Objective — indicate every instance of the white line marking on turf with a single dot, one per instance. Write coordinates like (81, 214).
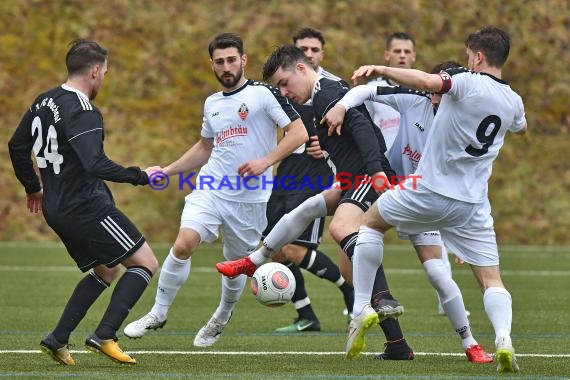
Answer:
(265, 353)
(414, 272)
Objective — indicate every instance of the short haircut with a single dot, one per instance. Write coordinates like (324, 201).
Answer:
(399, 36)
(309, 33)
(285, 57)
(82, 55)
(446, 65)
(493, 42)
(224, 41)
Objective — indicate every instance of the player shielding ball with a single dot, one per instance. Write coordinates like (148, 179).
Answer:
(477, 109)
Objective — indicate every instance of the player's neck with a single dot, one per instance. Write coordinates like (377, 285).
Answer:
(79, 84)
(491, 70)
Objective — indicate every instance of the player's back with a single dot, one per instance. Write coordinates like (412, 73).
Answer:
(67, 185)
(467, 134)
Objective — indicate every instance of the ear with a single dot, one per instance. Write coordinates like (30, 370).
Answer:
(386, 55)
(301, 67)
(244, 59)
(479, 58)
(95, 71)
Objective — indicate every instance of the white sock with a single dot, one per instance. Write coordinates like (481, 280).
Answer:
(173, 274)
(446, 264)
(451, 300)
(232, 289)
(368, 255)
(289, 227)
(499, 307)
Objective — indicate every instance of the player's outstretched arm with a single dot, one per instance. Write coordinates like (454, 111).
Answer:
(193, 158)
(412, 78)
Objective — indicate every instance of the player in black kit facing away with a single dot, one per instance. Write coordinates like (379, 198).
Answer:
(65, 133)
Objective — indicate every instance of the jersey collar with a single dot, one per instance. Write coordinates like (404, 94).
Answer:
(73, 89)
(247, 82)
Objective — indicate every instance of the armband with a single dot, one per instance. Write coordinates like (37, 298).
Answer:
(446, 82)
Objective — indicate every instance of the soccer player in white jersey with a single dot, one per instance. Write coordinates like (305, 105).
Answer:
(400, 52)
(477, 109)
(417, 111)
(237, 148)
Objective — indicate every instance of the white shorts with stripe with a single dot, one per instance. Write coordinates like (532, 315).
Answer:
(466, 228)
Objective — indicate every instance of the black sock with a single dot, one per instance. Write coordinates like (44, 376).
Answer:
(320, 265)
(390, 326)
(85, 294)
(306, 311)
(347, 244)
(126, 294)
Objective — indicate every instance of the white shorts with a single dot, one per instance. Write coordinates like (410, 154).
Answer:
(423, 238)
(241, 223)
(466, 228)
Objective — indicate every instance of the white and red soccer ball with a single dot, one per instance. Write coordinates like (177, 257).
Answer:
(273, 284)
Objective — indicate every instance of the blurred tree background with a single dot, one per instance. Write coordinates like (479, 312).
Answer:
(159, 76)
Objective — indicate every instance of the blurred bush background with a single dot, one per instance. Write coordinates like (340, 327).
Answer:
(159, 76)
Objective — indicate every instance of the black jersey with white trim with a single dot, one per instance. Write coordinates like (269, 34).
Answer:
(65, 133)
(360, 148)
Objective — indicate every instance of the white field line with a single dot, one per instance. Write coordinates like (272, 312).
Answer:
(265, 353)
(419, 271)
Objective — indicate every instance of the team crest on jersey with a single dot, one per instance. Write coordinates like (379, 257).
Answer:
(243, 111)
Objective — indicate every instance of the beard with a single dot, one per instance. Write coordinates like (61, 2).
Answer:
(230, 80)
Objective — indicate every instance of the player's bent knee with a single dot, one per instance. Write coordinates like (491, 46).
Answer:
(143, 257)
(107, 274)
(294, 253)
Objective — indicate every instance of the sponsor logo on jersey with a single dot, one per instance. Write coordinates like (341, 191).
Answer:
(229, 133)
(243, 111)
(413, 154)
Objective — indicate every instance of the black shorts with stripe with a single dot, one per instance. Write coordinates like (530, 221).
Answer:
(108, 238)
(281, 203)
(363, 196)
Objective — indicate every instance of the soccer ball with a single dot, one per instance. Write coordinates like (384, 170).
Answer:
(273, 284)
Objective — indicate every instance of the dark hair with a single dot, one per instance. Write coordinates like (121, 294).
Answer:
(308, 33)
(445, 66)
(285, 57)
(83, 55)
(399, 36)
(493, 42)
(224, 41)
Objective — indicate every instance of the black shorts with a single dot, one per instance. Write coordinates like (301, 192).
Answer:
(363, 196)
(281, 203)
(108, 238)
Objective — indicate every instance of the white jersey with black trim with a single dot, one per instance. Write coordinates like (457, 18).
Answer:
(467, 133)
(242, 124)
(384, 117)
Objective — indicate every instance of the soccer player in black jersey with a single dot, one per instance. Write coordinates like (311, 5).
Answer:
(296, 168)
(64, 131)
(364, 172)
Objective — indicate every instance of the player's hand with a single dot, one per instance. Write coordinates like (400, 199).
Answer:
(155, 178)
(152, 169)
(34, 201)
(314, 149)
(380, 183)
(364, 73)
(334, 119)
(253, 168)
(457, 260)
